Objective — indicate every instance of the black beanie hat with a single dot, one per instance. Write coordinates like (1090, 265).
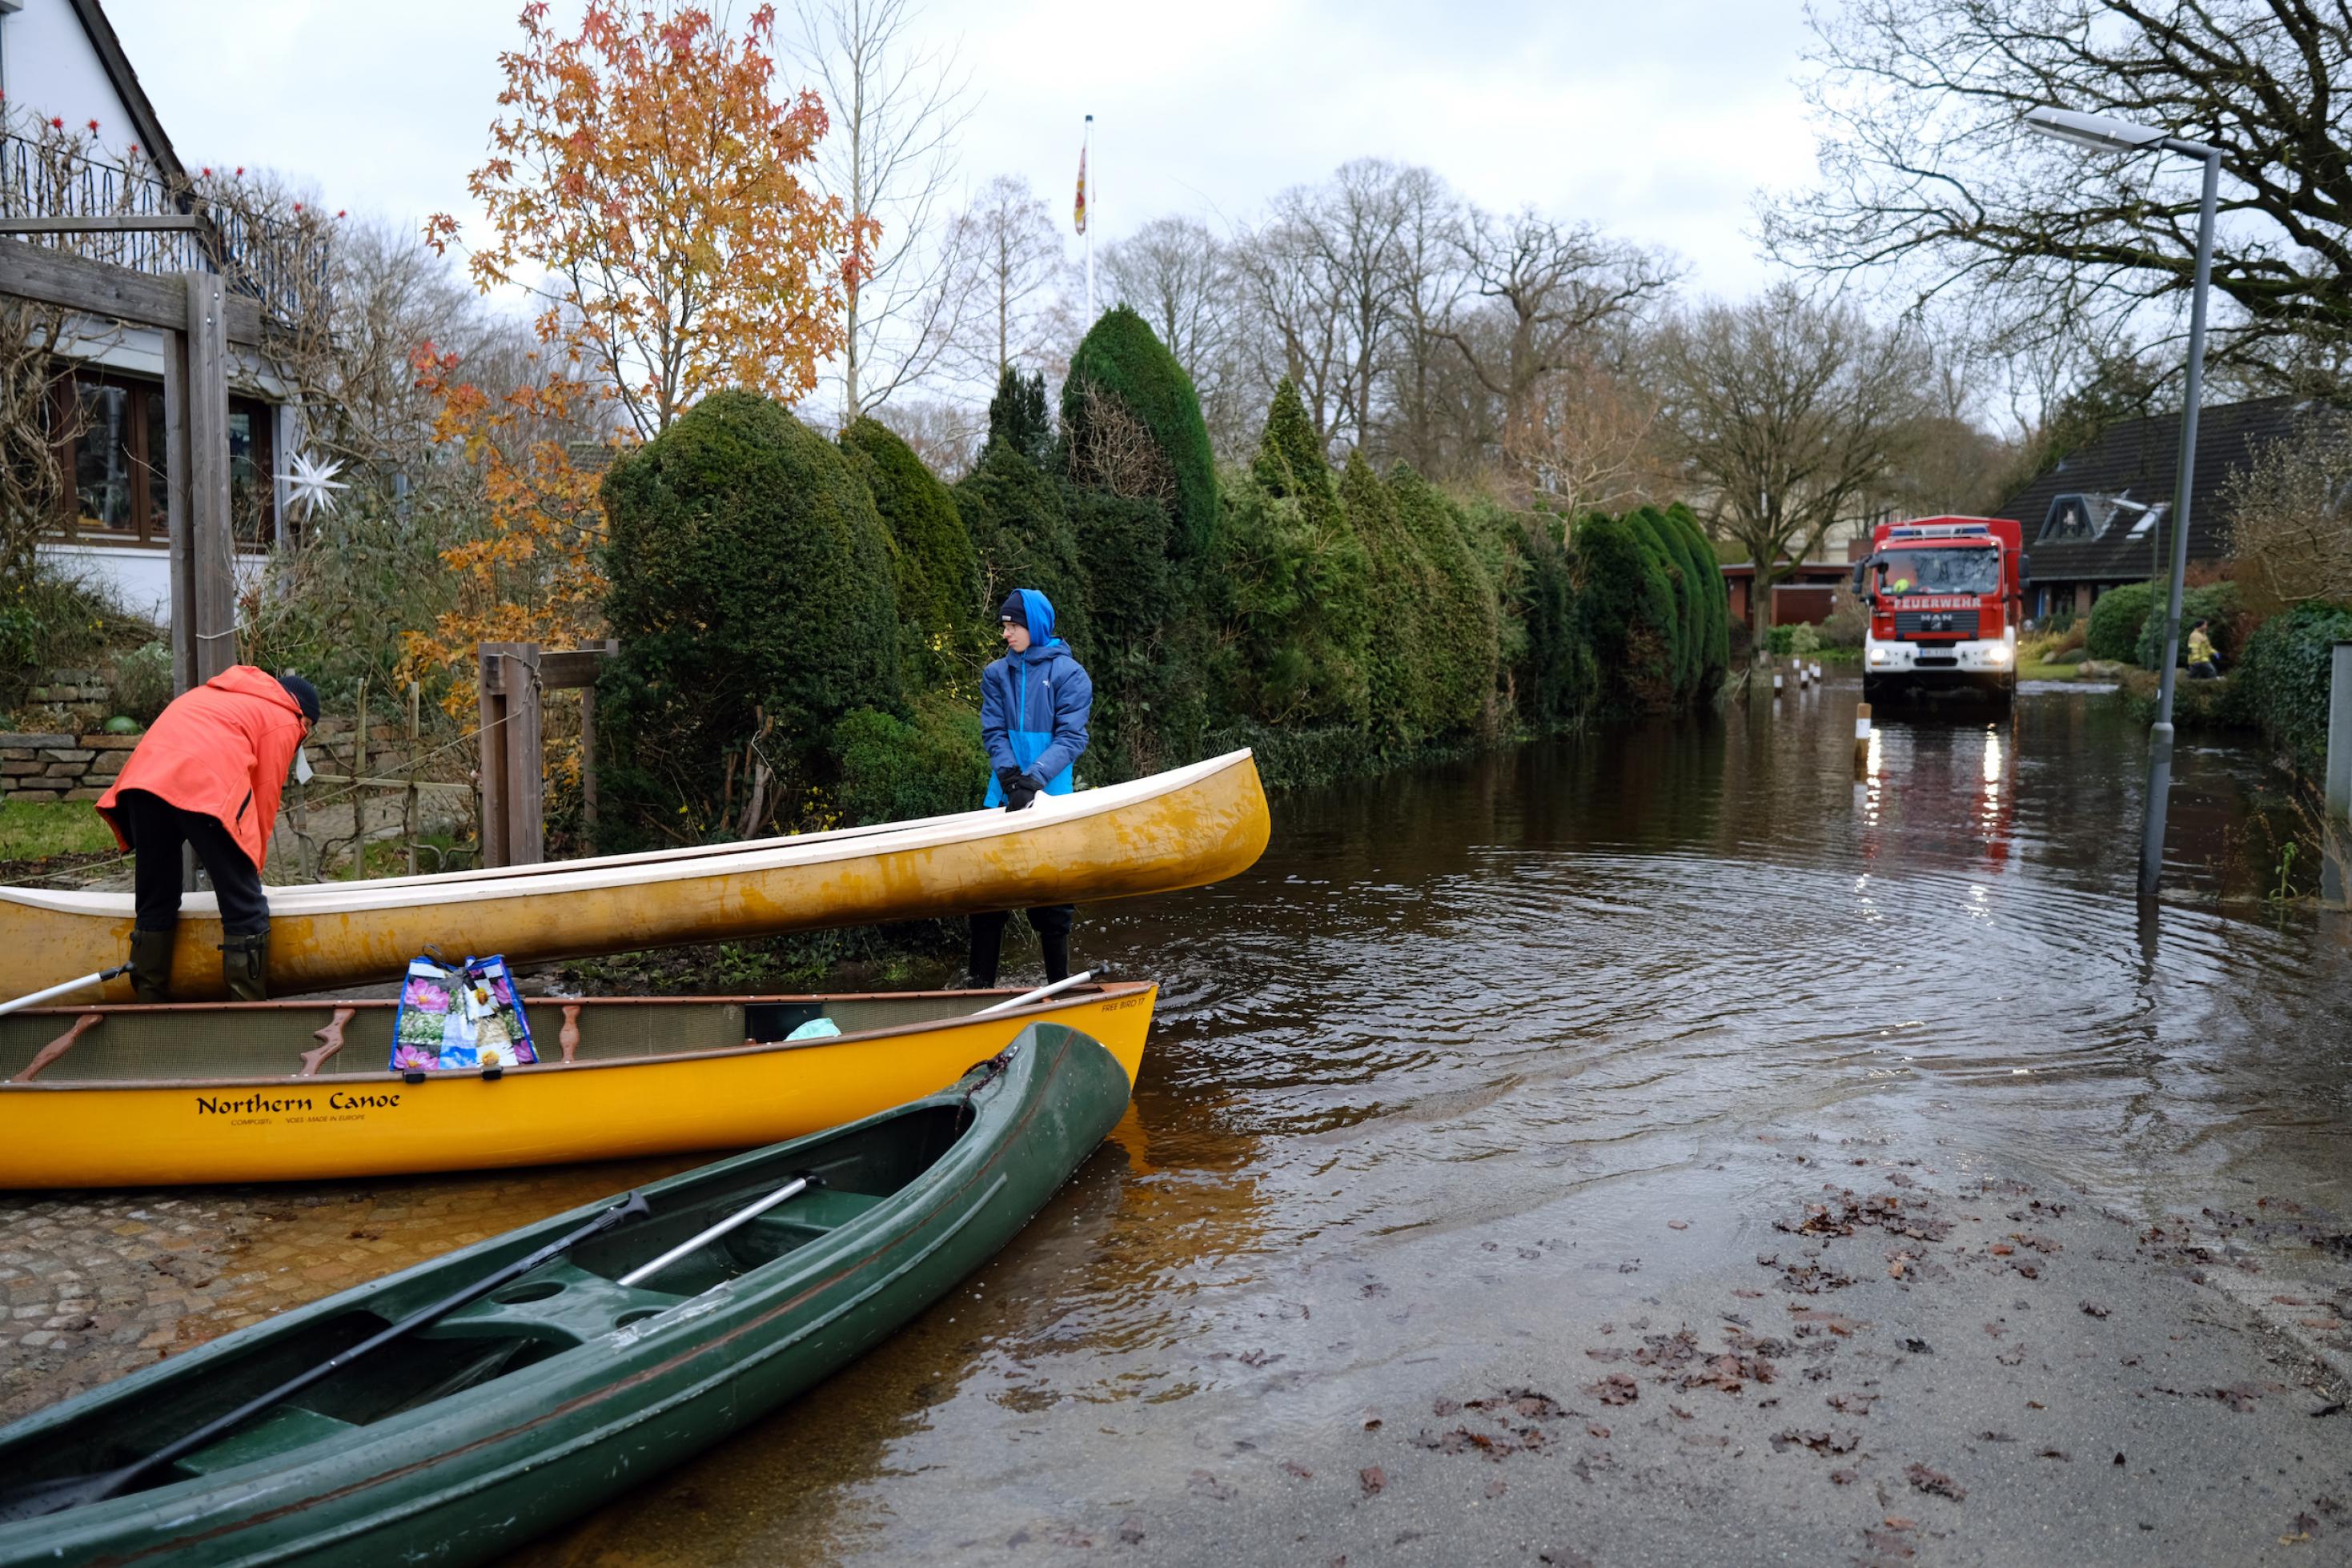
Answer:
(1015, 609)
(304, 693)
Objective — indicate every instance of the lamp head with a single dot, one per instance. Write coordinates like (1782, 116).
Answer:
(2102, 132)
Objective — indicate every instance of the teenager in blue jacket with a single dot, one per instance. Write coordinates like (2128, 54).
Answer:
(1034, 707)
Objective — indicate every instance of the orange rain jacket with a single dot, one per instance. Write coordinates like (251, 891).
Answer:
(222, 750)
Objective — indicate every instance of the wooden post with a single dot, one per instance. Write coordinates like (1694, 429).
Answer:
(492, 746)
(607, 648)
(2336, 786)
(359, 787)
(526, 750)
(408, 808)
(209, 540)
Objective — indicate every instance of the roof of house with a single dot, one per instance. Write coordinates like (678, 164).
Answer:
(2093, 516)
(150, 126)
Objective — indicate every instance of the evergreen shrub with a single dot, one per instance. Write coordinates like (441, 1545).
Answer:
(2115, 623)
(937, 574)
(1460, 647)
(750, 575)
(2215, 602)
(1626, 616)
(894, 771)
(1022, 535)
(2285, 671)
(1122, 360)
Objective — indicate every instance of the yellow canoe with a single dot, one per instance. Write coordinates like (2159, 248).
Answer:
(1174, 829)
(300, 1090)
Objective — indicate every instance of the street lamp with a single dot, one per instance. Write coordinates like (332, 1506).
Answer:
(2106, 134)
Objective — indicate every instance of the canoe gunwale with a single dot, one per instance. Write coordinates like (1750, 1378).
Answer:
(1087, 996)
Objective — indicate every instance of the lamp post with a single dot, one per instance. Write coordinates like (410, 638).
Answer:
(2106, 134)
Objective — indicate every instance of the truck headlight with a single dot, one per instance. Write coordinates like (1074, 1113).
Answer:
(1997, 655)
(1879, 656)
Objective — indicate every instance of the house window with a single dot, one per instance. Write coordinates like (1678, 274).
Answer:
(113, 454)
(2070, 518)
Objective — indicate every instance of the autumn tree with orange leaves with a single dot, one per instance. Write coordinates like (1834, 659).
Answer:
(651, 189)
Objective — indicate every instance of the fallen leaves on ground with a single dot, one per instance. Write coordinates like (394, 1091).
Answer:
(1614, 1389)
(1935, 1483)
(1373, 1479)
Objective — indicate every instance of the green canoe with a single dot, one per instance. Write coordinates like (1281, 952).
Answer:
(562, 1387)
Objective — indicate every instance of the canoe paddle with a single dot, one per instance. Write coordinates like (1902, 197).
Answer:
(77, 1491)
(1039, 995)
(37, 997)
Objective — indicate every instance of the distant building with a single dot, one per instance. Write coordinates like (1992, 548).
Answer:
(62, 59)
(2099, 516)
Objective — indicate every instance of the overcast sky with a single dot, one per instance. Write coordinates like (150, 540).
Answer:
(1657, 120)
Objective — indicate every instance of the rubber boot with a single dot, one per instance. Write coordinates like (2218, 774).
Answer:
(151, 964)
(244, 964)
(1055, 943)
(987, 946)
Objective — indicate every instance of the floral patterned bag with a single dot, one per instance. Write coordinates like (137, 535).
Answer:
(459, 1019)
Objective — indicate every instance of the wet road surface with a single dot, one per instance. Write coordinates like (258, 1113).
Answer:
(1499, 1080)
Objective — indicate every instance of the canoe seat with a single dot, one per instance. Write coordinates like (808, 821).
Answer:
(281, 1431)
(796, 1223)
(561, 1302)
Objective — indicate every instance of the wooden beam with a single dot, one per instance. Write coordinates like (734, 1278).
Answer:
(51, 276)
(209, 540)
(570, 670)
(110, 223)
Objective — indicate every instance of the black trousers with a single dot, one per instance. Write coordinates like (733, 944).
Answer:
(1052, 924)
(156, 829)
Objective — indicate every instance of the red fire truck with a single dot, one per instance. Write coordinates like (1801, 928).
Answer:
(1945, 596)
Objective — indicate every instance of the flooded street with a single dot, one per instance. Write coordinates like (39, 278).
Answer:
(1489, 1054)
(1502, 1080)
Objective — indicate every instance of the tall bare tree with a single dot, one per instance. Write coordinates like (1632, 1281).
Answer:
(1010, 265)
(1548, 289)
(897, 106)
(1784, 414)
(1176, 273)
(1928, 174)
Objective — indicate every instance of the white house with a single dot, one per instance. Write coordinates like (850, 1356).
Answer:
(62, 59)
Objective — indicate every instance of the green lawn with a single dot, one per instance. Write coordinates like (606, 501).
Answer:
(35, 829)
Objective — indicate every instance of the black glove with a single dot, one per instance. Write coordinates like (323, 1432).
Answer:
(1007, 777)
(1021, 791)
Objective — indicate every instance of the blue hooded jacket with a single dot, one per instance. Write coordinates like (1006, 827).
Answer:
(1034, 707)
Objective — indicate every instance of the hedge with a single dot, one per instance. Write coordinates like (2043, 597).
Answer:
(750, 574)
(1021, 532)
(2215, 602)
(2286, 670)
(2116, 618)
(940, 601)
(1461, 643)
(1121, 357)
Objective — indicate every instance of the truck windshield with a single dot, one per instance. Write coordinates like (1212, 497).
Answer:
(1948, 570)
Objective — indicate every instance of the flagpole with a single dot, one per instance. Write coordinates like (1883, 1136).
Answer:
(1090, 159)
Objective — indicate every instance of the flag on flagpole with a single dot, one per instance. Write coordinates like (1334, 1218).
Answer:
(1081, 209)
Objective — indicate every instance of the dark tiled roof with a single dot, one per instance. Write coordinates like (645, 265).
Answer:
(2136, 458)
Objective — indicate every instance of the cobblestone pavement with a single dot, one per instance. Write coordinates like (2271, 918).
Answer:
(98, 1284)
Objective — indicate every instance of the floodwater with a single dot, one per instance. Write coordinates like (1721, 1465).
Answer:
(1466, 1039)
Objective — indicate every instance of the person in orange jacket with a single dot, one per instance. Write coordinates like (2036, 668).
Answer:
(208, 772)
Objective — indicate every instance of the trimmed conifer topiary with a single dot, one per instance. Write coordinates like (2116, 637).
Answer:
(1120, 364)
(1403, 597)
(939, 603)
(1022, 536)
(1460, 647)
(751, 587)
